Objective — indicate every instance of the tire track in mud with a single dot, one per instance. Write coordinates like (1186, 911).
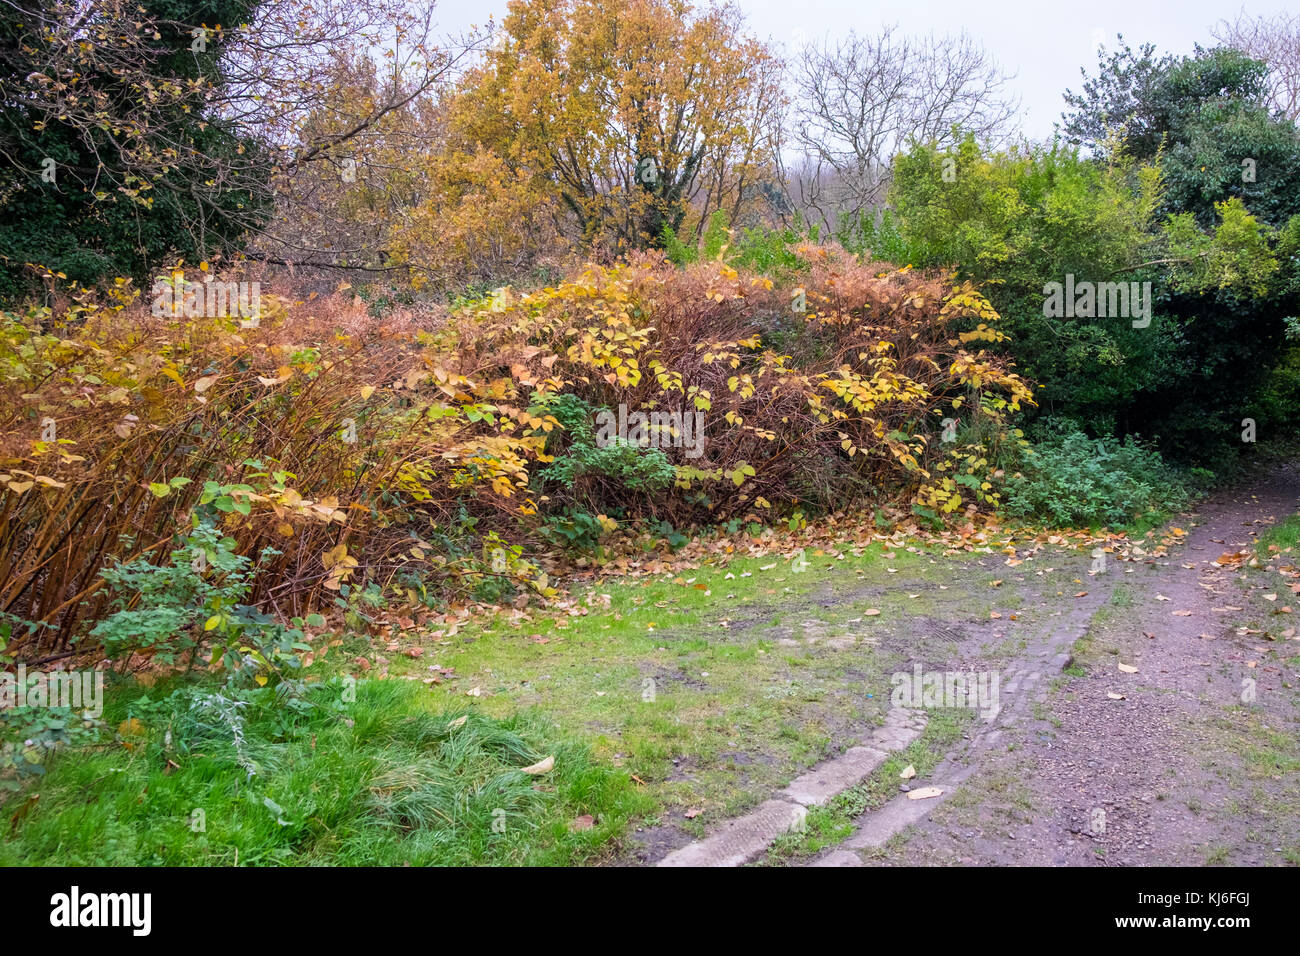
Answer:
(1156, 766)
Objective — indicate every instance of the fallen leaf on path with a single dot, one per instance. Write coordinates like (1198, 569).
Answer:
(1127, 669)
(1114, 696)
(925, 793)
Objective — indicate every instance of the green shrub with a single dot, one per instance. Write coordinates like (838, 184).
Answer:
(28, 735)
(573, 530)
(622, 464)
(1072, 480)
(170, 609)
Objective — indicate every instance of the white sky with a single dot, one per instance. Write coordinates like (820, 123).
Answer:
(1043, 42)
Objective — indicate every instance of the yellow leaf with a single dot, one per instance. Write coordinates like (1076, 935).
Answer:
(924, 793)
(542, 766)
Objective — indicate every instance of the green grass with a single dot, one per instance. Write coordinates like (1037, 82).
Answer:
(699, 691)
(1283, 536)
(833, 823)
(386, 780)
(704, 684)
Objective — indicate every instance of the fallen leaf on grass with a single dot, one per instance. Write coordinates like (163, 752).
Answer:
(542, 766)
(692, 813)
(584, 822)
(22, 812)
(908, 772)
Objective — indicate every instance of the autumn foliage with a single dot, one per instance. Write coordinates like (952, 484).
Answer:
(395, 454)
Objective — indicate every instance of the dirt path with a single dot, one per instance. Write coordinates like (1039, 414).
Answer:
(1157, 723)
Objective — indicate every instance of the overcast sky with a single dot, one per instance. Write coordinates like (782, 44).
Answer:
(1043, 42)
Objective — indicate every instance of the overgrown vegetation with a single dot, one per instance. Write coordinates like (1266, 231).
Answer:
(340, 465)
(549, 304)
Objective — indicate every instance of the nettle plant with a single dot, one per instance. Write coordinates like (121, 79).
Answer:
(171, 610)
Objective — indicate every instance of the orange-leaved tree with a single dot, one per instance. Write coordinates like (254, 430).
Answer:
(633, 114)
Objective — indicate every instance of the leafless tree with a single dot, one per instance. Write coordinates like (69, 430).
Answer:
(1276, 41)
(860, 100)
(284, 84)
